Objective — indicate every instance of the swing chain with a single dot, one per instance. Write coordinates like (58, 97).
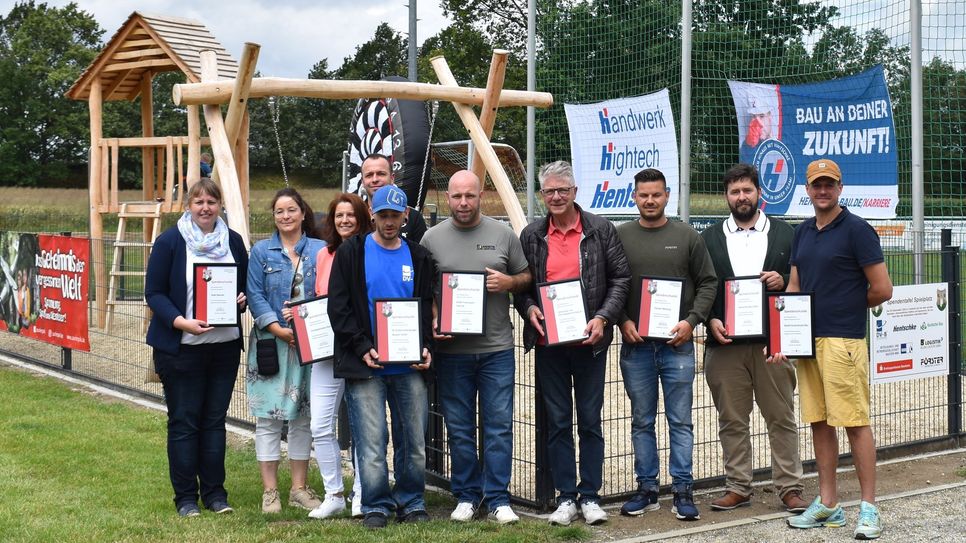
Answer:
(429, 146)
(275, 114)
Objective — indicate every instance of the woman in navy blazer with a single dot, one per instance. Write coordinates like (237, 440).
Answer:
(197, 363)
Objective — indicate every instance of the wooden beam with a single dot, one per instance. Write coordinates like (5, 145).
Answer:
(194, 148)
(147, 131)
(118, 81)
(138, 53)
(136, 43)
(239, 94)
(223, 154)
(95, 108)
(241, 163)
(158, 63)
(500, 179)
(262, 87)
(491, 102)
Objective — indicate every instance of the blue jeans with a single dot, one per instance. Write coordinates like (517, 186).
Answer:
(460, 378)
(409, 408)
(562, 372)
(197, 389)
(642, 364)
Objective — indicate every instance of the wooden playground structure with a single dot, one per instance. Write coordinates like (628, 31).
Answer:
(148, 44)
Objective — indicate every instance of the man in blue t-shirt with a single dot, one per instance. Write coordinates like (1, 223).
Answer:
(837, 257)
(366, 268)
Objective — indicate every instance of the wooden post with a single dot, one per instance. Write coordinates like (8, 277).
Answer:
(222, 150)
(94, 106)
(219, 92)
(491, 102)
(147, 130)
(485, 149)
(239, 94)
(194, 149)
(241, 164)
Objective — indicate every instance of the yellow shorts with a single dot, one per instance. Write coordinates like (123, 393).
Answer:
(834, 386)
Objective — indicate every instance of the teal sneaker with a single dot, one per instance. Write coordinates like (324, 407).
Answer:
(869, 525)
(817, 515)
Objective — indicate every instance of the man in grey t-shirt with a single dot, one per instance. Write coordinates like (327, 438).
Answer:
(467, 365)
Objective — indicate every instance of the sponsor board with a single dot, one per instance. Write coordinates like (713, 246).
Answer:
(782, 128)
(909, 334)
(613, 140)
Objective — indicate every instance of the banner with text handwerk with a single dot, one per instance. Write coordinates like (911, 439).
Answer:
(909, 334)
(613, 140)
(782, 128)
(44, 288)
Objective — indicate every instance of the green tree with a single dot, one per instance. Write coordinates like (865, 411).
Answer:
(42, 52)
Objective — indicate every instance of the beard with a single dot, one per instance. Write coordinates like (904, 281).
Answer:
(744, 212)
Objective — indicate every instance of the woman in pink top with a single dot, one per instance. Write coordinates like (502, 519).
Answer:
(346, 217)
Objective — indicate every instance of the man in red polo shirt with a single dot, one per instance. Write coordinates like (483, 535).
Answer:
(573, 244)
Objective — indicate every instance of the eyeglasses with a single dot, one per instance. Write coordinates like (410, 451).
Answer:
(297, 284)
(562, 191)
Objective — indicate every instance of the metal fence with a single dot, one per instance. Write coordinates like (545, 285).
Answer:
(907, 416)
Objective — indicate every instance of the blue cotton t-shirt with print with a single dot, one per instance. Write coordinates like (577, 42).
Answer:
(389, 274)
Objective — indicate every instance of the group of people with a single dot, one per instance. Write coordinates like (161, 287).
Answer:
(381, 249)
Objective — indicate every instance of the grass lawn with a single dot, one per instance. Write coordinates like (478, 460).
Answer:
(75, 467)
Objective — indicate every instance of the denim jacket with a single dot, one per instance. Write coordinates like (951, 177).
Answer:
(270, 277)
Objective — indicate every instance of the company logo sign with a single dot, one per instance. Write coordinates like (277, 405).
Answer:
(631, 158)
(776, 171)
(607, 197)
(632, 121)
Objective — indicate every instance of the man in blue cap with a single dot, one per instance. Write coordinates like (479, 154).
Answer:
(367, 267)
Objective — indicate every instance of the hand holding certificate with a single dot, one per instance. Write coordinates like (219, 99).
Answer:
(791, 321)
(398, 331)
(564, 313)
(744, 307)
(462, 303)
(216, 294)
(314, 340)
(660, 310)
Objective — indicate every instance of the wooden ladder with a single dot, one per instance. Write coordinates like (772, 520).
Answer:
(130, 210)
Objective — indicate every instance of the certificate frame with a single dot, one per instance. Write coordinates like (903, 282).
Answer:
(642, 324)
(774, 312)
(546, 294)
(303, 347)
(381, 332)
(445, 316)
(731, 307)
(200, 281)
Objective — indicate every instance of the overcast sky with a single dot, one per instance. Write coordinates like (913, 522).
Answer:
(294, 34)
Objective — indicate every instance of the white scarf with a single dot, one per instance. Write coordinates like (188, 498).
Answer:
(213, 245)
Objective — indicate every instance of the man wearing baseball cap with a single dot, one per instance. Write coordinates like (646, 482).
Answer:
(382, 264)
(836, 256)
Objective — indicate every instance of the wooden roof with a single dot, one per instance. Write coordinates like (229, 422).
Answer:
(150, 43)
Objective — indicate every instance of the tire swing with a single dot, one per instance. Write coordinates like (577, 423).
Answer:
(399, 129)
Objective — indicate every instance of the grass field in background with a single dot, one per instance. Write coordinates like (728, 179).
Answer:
(76, 467)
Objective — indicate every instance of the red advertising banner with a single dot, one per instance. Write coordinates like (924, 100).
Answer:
(44, 288)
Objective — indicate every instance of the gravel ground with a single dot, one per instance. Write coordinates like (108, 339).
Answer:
(930, 516)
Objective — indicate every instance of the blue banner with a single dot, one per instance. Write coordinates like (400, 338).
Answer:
(782, 128)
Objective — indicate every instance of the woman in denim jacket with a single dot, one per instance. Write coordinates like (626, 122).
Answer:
(282, 269)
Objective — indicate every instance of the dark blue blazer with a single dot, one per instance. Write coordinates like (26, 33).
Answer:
(166, 291)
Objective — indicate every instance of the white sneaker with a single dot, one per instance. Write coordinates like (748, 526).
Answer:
(357, 507)
(504, 515)
(592, 513)
(331, 506)
(464, 512)
(565, 514)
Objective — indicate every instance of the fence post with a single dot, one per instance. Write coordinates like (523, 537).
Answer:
(435, 443)
(950, 274)
(66, 354)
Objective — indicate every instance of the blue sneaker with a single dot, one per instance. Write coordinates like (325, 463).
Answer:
(684, 508)
(869, 525)
(644, 500)
(817, 515)
(189, 509)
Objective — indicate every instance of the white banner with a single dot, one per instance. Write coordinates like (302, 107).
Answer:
(613, 140)
(909, 334)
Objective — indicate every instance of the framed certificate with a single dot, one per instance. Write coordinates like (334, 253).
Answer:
(791, 324)
(564, 312)
(314, 339)
(660, 310)
(216, 292)
(744, 307)
(398, 334)
(462, 303)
